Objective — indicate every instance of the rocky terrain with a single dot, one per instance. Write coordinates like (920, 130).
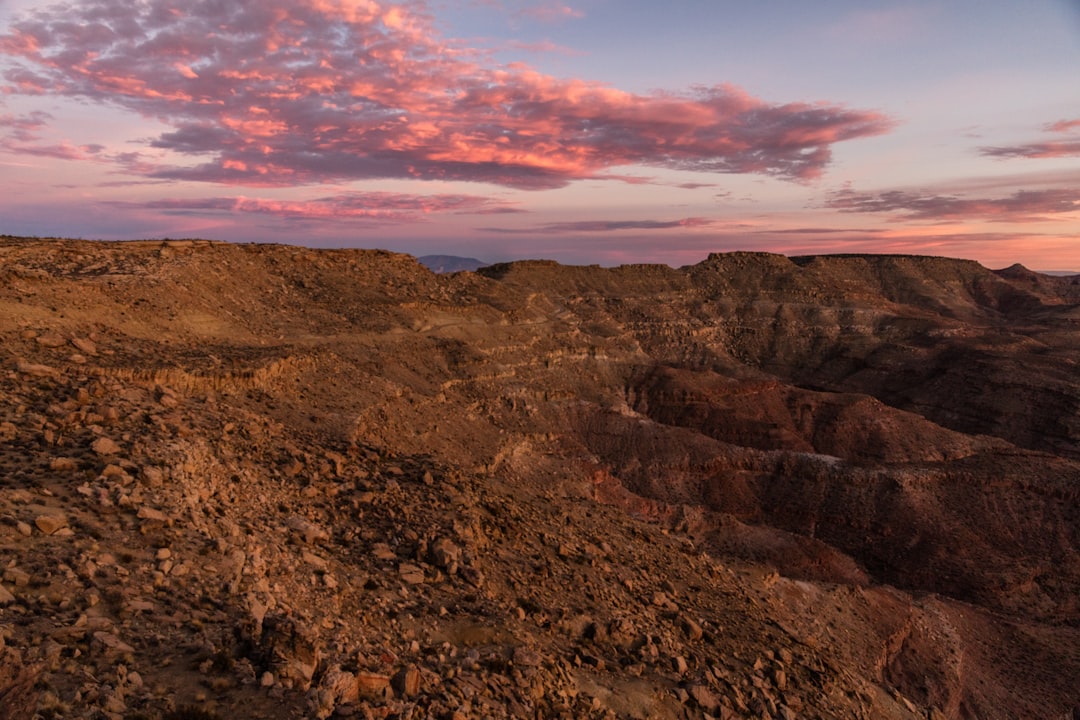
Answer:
(272, 482)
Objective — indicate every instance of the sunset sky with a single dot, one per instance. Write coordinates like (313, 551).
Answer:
(587, 131)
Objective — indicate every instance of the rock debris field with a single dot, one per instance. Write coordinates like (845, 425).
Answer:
(272, 482)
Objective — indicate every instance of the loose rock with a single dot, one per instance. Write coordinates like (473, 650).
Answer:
(49, 524)
(106, 446)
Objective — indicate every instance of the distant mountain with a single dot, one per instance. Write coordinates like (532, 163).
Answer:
(450, 263)
(1060, 273)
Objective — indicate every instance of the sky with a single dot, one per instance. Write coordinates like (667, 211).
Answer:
(585, 131)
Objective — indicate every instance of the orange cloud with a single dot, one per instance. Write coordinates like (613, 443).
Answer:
(288, 92)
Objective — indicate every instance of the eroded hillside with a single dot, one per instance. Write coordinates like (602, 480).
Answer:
(264, 481)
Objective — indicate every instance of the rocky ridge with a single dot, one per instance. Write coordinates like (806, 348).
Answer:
(345, 486)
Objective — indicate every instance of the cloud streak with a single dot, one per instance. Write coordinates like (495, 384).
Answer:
(281, 93)
(552, 12)
(19, 134)
(602, 226)
(1022, 206)
(1069, 147)
(23, 128)
(378, 207)
(1035, 150)
(1063, 125)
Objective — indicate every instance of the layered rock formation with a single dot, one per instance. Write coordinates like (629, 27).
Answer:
(264, 481)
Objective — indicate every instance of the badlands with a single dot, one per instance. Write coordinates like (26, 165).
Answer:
(260, 481)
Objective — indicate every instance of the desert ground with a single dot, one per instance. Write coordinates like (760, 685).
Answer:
(264, 481)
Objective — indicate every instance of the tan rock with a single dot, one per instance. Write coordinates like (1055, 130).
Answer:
(411, 574)
(371, 685)
(526, 657)
(407, 681)
(311, 532)
(704, 697)
(85, 345)
(106, 446)
(17, 576)
(314, 560)
(692, 629)
(63, 464)
(6, 598)
(341, 686)
(51, 340)
(446, 554)
(116, 473)
(140, 606)
(153, 476)
(8, 431)
(149, 513)
(382, 551)
(110, 642)
(36, 369)
(49, 524)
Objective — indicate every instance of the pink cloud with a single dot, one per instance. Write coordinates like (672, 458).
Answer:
(24, 128)
(1022, 206)
(544, 46)
(20, 135)
(1069, 147)
(594, 226)
(1063, 126)
(551, 12)
(279, 92)
(380, 207)
(59, 151)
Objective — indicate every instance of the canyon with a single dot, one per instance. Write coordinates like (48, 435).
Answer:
(269, 481)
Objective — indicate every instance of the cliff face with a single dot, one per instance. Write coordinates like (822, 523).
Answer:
(324, 482)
